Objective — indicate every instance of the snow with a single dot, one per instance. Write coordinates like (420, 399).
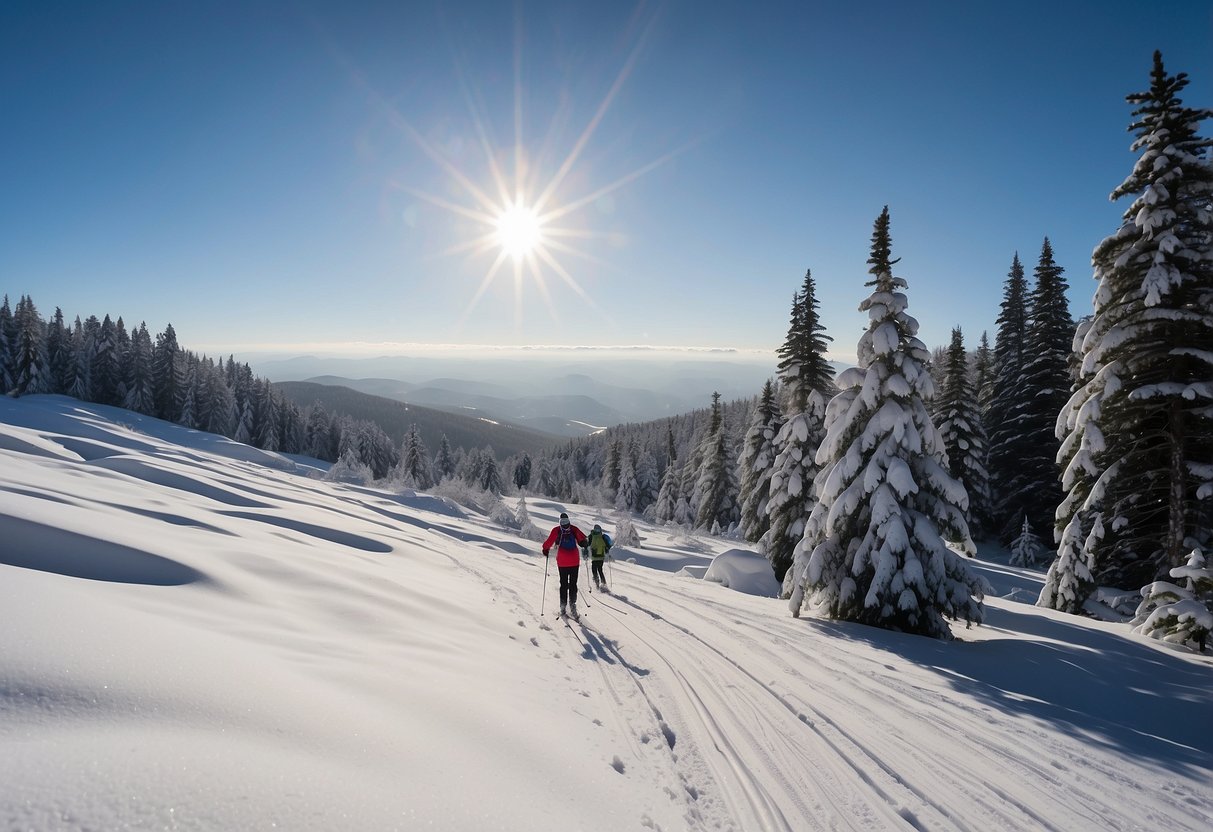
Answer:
(744, 571)
(200, 635)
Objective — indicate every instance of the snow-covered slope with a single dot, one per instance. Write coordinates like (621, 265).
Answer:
(197, 635)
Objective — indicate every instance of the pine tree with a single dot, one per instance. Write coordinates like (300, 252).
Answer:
(415, 460)
(444, 461)
(138, 373)
(522, 471)
(1148, 351)
(60, 358)
(1068, 583)
(756, 463)
(1179, 614)
(82, 350)
(1002, 433)
(168, 377)
(31, 366)
(716, 487)
(667, 497)
(627, 496)
(807, 382)
(7, 347)
(612, 469)
(104, 369)
(1034, 486)
(490, 474)
(964, 438)
(1027, 549)
(884, 490)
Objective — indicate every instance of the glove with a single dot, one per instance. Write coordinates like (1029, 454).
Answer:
(545, 553)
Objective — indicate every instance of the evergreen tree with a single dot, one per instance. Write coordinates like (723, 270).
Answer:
(522, 471)
(964, 437)
(647, 481)
(1005, 443)
(1027, 549)
(1068, 583)
(104, 369)
(983, 375)
(138, 373)
(1179, 614)
(415, 460)
(612, 469)
(1034, 486)
(884, 490)
(716, 489)
(7, 347)
(1148, 351)
(61, 359)
(490, 472)
(757, 462)
(31, 367)
(807, 381)
(627, 495)
(444, 461)
(82, 351)
(667, 497)
(168, 381)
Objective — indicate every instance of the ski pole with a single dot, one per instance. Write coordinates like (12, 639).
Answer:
(544, 598)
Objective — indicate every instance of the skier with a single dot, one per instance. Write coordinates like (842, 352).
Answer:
(596, 547)
(567, 537)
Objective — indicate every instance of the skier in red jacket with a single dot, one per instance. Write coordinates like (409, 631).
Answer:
(568, 538)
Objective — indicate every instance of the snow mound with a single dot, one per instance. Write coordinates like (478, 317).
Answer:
(744, 571)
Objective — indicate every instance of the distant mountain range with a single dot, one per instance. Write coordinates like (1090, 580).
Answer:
(395, 417)
(564, 397)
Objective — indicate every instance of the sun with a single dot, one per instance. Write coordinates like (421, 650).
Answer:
(519, 231)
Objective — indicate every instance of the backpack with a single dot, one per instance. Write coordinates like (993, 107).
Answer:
(567, 539)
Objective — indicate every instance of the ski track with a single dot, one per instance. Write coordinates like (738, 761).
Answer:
(836, 762)
(853, 728)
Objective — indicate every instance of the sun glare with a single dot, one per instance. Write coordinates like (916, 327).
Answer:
(519, 231)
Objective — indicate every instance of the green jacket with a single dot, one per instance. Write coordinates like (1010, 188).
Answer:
(598, 544)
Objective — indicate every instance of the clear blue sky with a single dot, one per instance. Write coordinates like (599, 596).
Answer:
(281, 173)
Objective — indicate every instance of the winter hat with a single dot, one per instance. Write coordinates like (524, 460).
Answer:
(564, 519)
(597, 527)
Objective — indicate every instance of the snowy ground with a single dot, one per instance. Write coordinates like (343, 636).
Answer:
(195, 635)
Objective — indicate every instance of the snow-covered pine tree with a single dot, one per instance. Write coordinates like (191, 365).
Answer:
(105, 369)
(1179, 614)
(7, 342)
(522, 471)
(1033, 486)
(168, 378)
(526, 528)
(983, 369)
(627, 494)
(625, 531)
(82, 348)
(612, 469)
(59, 354)
(444, 460)
(647, 481)
(138, 373)
(884, 491)
(716, 488)
(964, 437)
(807, 383)
(1068, 583)
(31, 367)
(1002, 433)
(490, 472)
(667, 497)
(1027, 550)
(1148, 353)
(756, 463)
(415, 459)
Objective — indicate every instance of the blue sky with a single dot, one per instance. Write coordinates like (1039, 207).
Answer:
(301, 174)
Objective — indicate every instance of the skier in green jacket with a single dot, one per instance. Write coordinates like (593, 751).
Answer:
(597, 544)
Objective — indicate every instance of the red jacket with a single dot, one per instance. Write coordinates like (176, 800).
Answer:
(566, 556)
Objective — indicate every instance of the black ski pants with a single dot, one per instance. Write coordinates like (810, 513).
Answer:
(568, 584)
(596, 566)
